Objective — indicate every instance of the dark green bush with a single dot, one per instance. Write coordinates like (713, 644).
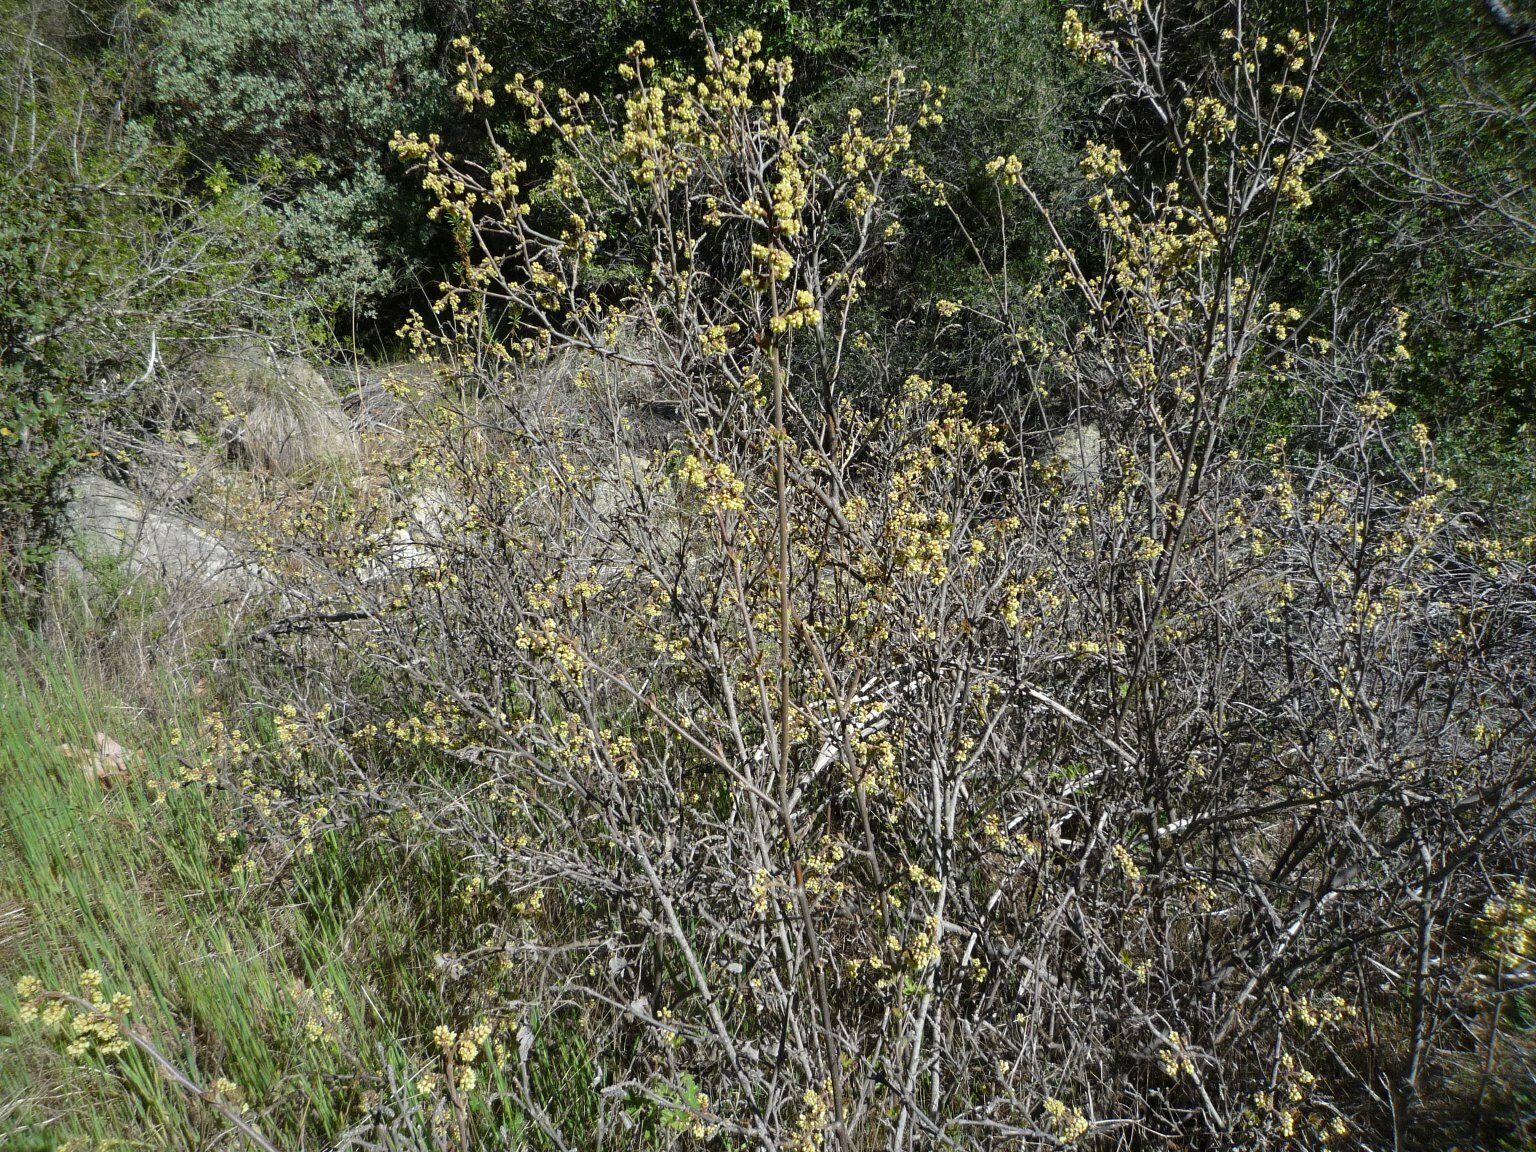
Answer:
(313, 91)
(106, 261)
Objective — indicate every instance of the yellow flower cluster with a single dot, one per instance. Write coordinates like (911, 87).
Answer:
(1127, 864)
(95, 1030)
(1510, 923)
(811, 1125)
(1283, 1110)
(721, 489)
(1290, 50)
(803, 314)
(318, 1013)
(1008, 170)
(1208, 119)
(1175, 1058)
(459, 1051)
(545, 639)
(438, 724)
(1290, 170)
(1101, 163)
(1084, 44)
(472, 71)
(1068, 1123)
(1318, 1012)
(821, 867)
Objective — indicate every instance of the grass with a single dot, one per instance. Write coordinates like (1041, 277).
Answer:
(226, 971)
(139, 887)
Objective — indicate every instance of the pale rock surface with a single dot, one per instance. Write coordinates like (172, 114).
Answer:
(107, 523)
(1080, 448)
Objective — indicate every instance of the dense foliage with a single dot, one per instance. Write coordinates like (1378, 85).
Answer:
(106, 260)
(312, 92)
(1434, 208)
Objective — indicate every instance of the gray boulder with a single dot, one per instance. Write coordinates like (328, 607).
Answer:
(1080, 447)
(107, 525)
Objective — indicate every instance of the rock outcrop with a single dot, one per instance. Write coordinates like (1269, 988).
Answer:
(109, 527)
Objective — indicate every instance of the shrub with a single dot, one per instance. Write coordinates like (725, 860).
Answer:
(317, 89)
(105, 261)
(864, 770)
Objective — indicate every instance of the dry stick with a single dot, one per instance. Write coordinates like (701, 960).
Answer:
(780, 480)
(1493, 1035)
(791, 967)
(166, 1068)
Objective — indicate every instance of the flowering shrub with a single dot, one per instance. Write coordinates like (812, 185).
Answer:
(865, 769)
